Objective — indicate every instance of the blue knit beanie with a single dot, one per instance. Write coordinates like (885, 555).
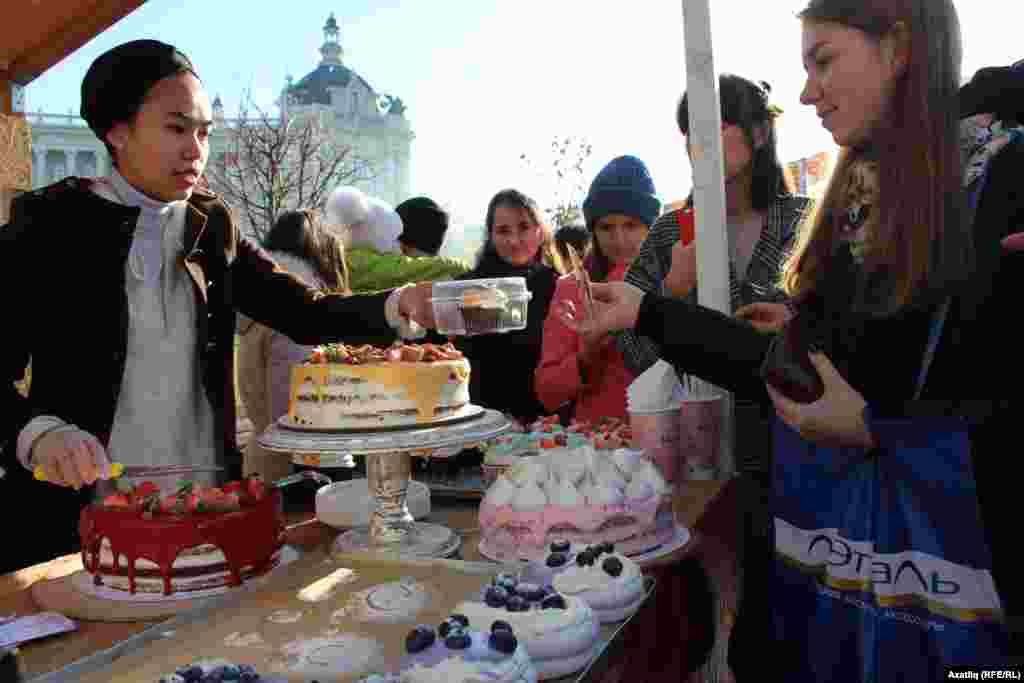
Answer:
(623, 186)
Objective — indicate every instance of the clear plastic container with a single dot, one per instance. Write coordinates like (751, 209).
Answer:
(485, 306)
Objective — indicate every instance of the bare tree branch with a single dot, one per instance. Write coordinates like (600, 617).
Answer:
(273, 164)
(566, 176)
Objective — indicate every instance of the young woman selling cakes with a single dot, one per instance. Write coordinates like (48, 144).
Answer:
(132, 359)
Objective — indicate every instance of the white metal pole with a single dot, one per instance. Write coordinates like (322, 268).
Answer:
(708, 181)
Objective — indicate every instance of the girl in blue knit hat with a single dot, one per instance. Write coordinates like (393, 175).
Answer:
(588, 371)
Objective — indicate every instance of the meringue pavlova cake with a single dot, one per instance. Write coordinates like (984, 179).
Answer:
(455, 653)
(579, 495)
(611, 583)
(560, 632)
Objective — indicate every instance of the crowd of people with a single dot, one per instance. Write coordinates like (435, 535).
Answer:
(834, 302)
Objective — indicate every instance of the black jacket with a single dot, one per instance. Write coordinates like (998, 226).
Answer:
(62, 271)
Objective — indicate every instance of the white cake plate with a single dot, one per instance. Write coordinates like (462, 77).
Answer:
(392, 530)
(679, 538)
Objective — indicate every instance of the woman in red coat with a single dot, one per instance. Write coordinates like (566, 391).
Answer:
(588, 371)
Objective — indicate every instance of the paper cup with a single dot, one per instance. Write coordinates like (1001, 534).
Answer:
(656, 432)
(700, 434)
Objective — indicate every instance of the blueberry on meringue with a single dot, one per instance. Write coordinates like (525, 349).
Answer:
(530, 591)
(560, 546)
(503, 641)
(500, 625)
(612, 566)
(419, 639)
(517, 603)
(496, 596)
(557, 560)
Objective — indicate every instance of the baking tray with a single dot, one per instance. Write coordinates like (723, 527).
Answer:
(610, 645)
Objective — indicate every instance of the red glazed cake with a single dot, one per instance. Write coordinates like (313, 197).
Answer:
(200, 538)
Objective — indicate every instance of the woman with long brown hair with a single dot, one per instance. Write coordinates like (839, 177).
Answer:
(901, 291)
(519, 243)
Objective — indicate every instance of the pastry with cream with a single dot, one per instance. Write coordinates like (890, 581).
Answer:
(580, 495)
(560, 632)
(353, 387)
(456, 653)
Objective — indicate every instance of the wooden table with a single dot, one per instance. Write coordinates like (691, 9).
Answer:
(704, 507)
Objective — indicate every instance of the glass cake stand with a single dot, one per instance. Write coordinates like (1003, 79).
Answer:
(389, 453)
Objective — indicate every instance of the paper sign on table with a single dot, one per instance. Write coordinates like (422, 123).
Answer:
(23, 629)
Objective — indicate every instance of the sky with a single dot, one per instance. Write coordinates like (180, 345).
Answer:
(486, 81)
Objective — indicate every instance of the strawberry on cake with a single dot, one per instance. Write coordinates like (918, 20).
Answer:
(582, 495)
(343, 387)
(199, 538)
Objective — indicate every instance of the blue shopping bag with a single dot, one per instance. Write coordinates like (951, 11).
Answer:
(881, 571)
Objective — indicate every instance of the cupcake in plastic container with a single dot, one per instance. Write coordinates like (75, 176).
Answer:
(483, 306)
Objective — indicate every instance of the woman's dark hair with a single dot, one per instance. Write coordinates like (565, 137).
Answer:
(304, 235)
(922, 246)
(514, 199)
(745, 104)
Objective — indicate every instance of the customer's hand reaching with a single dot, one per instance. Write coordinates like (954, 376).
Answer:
(616, 307)
(414, 303)
(71, 457)
(1014, 242)
(682, 275)
(765, 317)
(836, 419)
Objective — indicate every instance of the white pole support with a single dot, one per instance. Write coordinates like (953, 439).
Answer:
(705, 141)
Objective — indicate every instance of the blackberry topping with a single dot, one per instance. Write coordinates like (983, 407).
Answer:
(503, 641)
(419, 639)
(557, 560)
(612, 566)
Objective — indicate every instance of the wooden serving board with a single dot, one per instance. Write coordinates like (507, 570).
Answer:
(66, 596)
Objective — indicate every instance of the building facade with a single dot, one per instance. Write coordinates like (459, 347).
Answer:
(372, 124)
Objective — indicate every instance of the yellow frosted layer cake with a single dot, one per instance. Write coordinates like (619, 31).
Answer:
(345, 387)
